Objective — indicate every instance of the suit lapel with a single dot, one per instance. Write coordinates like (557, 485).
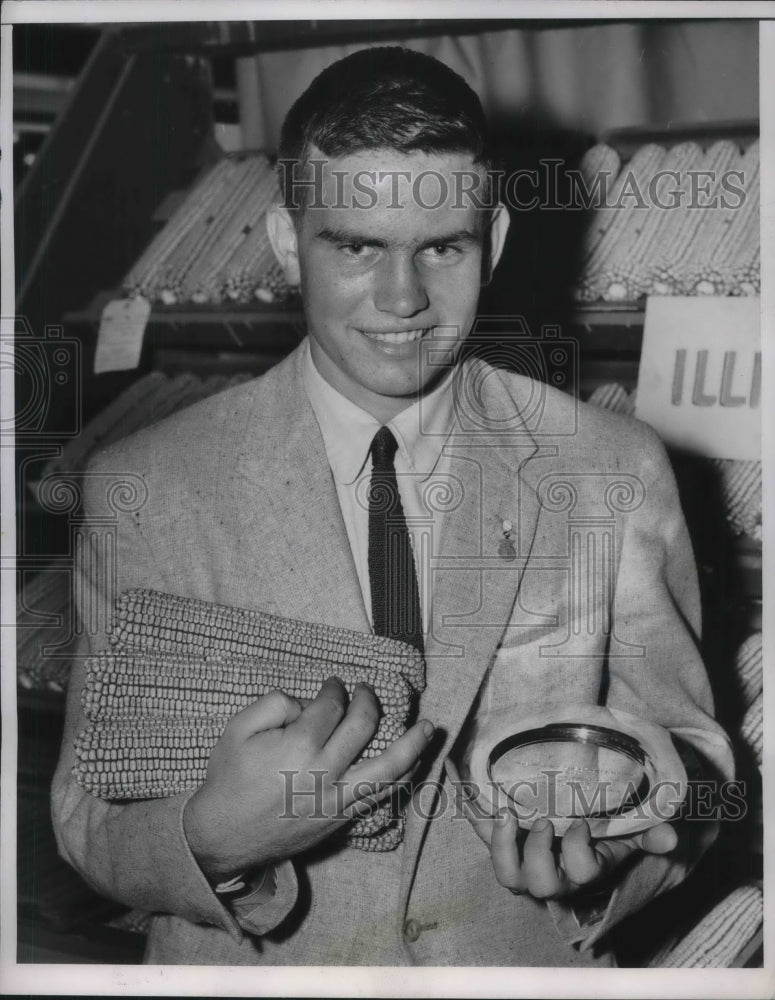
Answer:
(475, 586)
(299, 517)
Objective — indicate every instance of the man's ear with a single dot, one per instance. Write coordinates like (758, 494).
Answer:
(496, 238)
(285, 242)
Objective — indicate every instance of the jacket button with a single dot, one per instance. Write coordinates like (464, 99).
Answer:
(412, 930)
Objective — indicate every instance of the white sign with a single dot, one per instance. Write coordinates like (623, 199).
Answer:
(120, 337)
(699, 382)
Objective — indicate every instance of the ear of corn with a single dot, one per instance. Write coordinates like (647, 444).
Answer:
(170, 685)
(147, 619)
(748, 668)
(740, 490)
(599, 165)
(249, 201)
(721, 936)
(752, 728)
(620, 212)
(683, 224)
(178, 669)
(706, 245)
(624, 276)
(731, 239)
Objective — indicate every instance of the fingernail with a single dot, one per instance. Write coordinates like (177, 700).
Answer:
(576, 823)
(540, 825)
(503, 817)
(427, 729)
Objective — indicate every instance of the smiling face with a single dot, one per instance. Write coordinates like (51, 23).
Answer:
(386, 285)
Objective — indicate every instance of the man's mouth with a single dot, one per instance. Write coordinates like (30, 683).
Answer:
(397, 337)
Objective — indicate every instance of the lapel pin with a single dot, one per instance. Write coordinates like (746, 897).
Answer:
(506, 548)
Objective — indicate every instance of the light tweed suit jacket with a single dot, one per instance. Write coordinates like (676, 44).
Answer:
(238, 506)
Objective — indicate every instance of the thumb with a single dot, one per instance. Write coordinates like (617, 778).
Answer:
(659, 839)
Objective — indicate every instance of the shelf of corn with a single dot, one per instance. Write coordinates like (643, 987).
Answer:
(215, 250)
(678, 221)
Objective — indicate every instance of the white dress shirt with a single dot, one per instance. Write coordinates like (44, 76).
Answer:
(422, 469)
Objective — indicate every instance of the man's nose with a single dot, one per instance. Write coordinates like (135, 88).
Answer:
(400, 289)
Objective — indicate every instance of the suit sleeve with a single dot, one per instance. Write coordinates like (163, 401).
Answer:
(657, 611)
(136, 853)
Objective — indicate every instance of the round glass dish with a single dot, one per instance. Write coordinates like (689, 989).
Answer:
(622, 773)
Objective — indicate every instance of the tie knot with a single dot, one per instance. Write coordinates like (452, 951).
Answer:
(383, 449)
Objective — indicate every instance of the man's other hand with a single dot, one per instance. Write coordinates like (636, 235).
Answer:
(281, 778)
(533, 863)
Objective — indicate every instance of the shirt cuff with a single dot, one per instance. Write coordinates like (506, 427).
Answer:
(636, 886)
(576, 920)
(271, 894)
(268, 900)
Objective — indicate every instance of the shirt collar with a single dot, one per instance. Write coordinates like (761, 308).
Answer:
(421, 429)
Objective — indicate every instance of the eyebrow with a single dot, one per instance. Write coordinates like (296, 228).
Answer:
(338, 236)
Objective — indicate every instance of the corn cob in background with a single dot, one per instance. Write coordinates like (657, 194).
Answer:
(748, 668)
(752, 728)
(196, 212)
(717, 940)
(740, 486)
(167, 271)
(43, 622)
(617, 217)
(249, 218)
(169, 278)
(178, 669)
(202, 237)
(735, 265)
(603, 162)
(722, 243)
(676, 238)
(223, 235)
(253, 267)
(614, 397)
(213, 248)
(745, 276)
(625, 276)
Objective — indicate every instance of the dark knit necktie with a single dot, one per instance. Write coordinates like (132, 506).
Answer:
(395, 598)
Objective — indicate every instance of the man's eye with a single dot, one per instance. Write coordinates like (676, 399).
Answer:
(441, 251)
(354, 249)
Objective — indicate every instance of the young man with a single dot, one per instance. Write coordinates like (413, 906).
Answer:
(255, 498)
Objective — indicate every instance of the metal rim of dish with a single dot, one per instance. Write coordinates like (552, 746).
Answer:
(584, 733)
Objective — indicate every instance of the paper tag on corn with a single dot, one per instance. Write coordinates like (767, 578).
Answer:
(120, 337)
